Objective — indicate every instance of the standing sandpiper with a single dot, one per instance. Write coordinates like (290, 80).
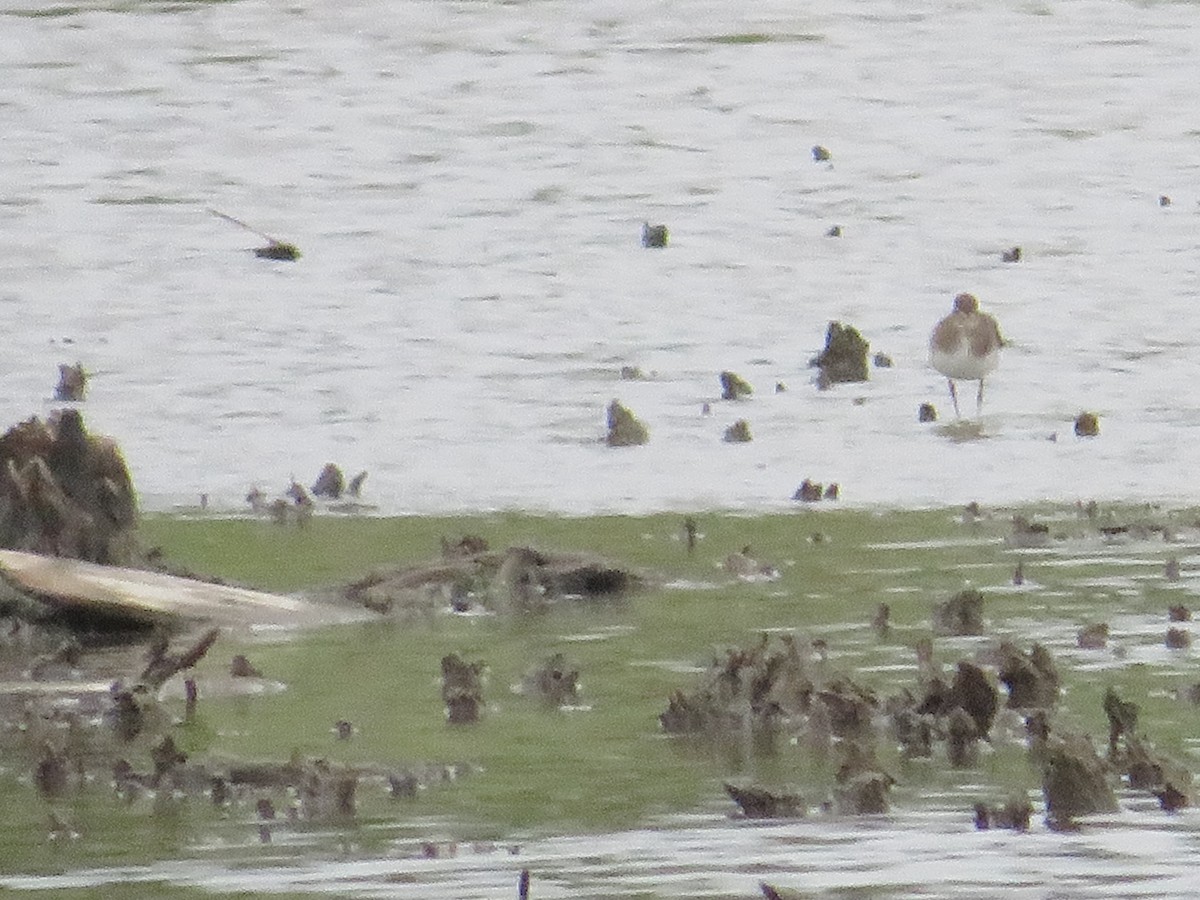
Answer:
(966, 346)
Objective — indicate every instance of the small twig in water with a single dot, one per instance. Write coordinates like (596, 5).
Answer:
(275, 249)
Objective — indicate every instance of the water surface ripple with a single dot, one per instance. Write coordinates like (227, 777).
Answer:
(467, 182)
(910, 855)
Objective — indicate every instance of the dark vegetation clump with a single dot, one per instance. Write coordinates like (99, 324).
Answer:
(555, 682)
(624, 428)
(734, 387)
(462, 689)
(1087, 424)
(72, 383)
(655, 236)
(962, 614)
(844, 358)
(738, 433)
(469, 575)
(65, 492)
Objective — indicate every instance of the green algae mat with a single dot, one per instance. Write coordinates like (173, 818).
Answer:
(368, 695)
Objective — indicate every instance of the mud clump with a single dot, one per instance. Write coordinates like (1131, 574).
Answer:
(1014, 814)
(961, 615)
(862, 788)
(655, 236)
(746, 690)
(462, 689)
(734, 387)
(1133, 757)
(1075, 782)
(1087, 424)
(468, 576)
(134, 707)
(64, 492)
(555, 682)
(844, 358)
(1092, 637)
(624, 428)
(241, 667)
(738, 433)
(1031, 678)
(331, 483)
(762, 803)
(1178, 639)
(811, 491)
(72, 383)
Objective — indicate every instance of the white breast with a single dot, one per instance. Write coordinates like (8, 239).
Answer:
(960, 363)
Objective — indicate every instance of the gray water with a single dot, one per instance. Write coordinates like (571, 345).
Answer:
(467, 181)
(914, 856)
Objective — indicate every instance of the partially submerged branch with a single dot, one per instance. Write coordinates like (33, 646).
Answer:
(275, 249)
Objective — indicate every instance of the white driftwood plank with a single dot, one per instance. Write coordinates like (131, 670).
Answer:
(152, 597)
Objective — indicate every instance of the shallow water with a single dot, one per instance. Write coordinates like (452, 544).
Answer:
(926, 847)
(467, 182)
(909, 856)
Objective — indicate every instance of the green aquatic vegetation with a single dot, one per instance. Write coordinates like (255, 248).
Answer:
(526, 770)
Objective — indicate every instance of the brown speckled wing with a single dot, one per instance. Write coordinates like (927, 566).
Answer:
(984, 334)
(947, 334)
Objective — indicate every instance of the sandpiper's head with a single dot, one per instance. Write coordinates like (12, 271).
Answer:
(966, 303)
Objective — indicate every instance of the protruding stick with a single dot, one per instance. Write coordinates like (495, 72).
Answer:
(250, 228)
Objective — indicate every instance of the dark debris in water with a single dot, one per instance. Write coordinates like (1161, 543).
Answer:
(278, 250)
(774, 694)
(471, 577)
(869, 734)
(274, 249)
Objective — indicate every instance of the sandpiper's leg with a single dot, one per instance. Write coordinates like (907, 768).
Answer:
(979, 399)
(954, 397)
